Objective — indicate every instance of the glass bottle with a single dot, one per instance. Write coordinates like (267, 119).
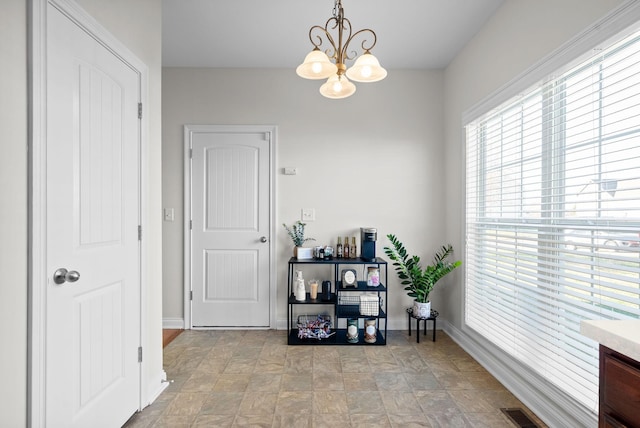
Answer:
(345, 249)
(353, 250)
(339, 248)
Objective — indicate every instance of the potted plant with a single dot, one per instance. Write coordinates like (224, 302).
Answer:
(296, 233)
(419, 281)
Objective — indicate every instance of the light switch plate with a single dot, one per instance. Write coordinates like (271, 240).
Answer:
(168, 214)
(308, 214)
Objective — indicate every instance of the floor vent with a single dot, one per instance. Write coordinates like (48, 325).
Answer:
(519, 418)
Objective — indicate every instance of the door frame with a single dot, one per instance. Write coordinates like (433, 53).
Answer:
(188, 130)
(37, 210)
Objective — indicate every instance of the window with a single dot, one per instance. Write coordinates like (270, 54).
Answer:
(553, 216)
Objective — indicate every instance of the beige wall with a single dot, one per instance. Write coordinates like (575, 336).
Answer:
(13, 212)
(374, 159)
(138, 25)
(520, 34)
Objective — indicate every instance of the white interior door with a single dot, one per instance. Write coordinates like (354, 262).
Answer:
(92, 322)
(230, 209)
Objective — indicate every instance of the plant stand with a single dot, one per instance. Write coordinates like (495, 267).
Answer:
(431, 317)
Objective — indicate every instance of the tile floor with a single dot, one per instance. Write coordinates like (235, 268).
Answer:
(252, 378)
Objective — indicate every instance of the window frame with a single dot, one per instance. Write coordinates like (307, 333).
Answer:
(553, 161)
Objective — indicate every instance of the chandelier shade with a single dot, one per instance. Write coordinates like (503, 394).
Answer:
(337, 86)
(366, 69)
(316, 65)
(330, 63)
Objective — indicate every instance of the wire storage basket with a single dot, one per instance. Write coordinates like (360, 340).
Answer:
(369, 304)
(314, 327)
(349, 299)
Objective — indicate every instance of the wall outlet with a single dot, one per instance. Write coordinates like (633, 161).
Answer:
(168, 214)
(308, 214)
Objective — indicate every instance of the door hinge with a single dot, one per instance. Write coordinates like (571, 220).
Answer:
(190, 153)
(190, 224)
(191, 295)
(139, 110)
(139, 354)
(139, 233)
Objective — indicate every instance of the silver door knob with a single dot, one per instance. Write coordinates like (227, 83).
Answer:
(263, 239)
(62, 275)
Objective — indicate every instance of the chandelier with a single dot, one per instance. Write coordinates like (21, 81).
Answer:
(317, 64)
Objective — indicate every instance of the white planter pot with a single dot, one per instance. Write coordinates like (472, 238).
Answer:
(422, 310)
(304, 253)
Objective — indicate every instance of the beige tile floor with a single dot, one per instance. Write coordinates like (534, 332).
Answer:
(252, 378)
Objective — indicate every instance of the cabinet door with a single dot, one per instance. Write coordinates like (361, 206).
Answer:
(620, 392)
(609, 421)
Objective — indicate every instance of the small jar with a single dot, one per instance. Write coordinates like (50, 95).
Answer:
(373, 276)
(352, 330)
(370, 331)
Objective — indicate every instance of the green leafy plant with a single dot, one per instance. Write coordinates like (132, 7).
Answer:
(419, 281)
(296, 233)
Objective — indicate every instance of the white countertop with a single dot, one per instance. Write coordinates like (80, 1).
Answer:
(622, 336)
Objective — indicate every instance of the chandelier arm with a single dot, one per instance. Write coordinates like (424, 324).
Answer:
(329, 26)
(316, 35)
(363, 45)
(316, 39)
(344, 24)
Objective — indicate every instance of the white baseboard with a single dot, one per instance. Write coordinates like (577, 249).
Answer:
(173, 323)
(554, 407)
(281, 324)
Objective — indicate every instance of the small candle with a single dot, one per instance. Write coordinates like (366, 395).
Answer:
(370, 330)
(313, 289)
(352, 330)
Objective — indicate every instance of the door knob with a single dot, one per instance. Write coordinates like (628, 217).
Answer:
(263, 239)
(62, 275)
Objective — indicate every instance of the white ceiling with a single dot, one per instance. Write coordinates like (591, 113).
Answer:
(413, 34)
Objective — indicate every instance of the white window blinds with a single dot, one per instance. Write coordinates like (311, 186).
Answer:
(553, 216)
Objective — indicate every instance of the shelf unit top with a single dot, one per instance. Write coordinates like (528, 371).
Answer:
(339, 261)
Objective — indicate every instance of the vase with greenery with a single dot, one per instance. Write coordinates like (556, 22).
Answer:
(296, 233)
(419, 281)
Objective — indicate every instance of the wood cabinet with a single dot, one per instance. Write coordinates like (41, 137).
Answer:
(619, 390)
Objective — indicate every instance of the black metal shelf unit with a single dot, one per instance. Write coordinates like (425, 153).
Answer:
(339, 307)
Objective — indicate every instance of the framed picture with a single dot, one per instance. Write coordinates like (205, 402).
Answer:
(349, 278)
